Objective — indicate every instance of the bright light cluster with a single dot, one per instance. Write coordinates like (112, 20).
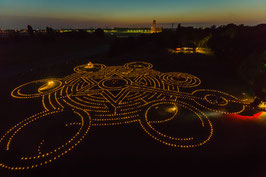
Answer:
(263, 105)
(117, 95)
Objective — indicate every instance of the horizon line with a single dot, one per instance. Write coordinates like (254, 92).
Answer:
(163, 25)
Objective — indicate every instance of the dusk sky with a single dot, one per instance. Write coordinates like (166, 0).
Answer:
(128, 13)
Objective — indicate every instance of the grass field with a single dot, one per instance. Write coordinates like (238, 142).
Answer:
(237, 147)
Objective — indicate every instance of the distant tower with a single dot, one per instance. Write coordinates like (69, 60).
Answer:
(154, 29)
(154, 24)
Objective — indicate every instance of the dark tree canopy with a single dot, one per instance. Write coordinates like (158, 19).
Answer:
(30, 29)
(99, 33)
(260, 87)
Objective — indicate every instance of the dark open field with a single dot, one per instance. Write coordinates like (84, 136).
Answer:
(237, 147)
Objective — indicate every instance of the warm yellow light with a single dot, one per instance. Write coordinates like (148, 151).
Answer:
(151, 89)
(262, 105)
(51, 83)
(173, 109)
(90, 65)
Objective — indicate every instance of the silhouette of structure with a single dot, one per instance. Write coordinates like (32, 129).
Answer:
(154, 29)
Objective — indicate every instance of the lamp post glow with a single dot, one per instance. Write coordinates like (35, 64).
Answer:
(263, 105)
(90, 65)
(173, 109)
(50, 83)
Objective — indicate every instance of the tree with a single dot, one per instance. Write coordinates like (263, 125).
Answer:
(213, 27)
(30, 30)
(99, 33)
(49, 30)
(260, 87)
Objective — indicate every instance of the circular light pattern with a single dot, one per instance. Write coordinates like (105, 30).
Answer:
(138, 65)
(218, 101)
(36, 88)
(181, 79)
(49, 85)
(182, 142)
(112, 96)
(161, 112)
(89, 68)
(114, 83)
(50, 153)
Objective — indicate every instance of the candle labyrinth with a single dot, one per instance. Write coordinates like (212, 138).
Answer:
(166, 106)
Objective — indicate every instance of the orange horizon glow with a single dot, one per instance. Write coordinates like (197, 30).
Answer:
(127, 13)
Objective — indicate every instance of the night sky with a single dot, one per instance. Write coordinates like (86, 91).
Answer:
(131, 13)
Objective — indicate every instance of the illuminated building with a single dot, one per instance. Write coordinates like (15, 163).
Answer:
(116, 30)
(190, 50)
(154, 29)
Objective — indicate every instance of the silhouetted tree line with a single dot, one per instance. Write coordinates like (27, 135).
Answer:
(241, 48)
(48, 35)
(181, 37)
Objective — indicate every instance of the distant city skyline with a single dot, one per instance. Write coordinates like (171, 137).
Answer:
(17, 14)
